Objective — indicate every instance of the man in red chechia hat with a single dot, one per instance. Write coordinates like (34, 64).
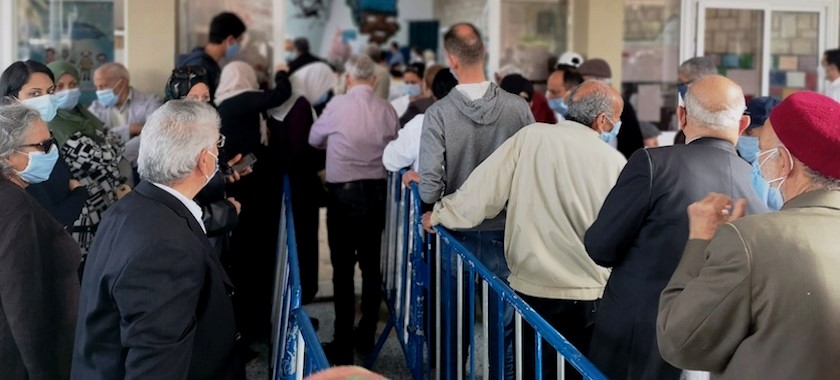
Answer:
(759, 297)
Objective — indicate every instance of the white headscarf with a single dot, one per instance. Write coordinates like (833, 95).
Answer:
(311, 82)
(237, 77)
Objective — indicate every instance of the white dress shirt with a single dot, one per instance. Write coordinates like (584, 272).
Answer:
(405, 149)
(194, 208)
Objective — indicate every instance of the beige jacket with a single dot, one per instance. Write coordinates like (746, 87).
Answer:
(553, 180)
(761, 300)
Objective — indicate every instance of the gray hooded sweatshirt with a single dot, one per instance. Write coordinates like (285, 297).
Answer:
(459, 134)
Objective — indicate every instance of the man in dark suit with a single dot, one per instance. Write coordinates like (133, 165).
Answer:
(155, 300)
(643, 226)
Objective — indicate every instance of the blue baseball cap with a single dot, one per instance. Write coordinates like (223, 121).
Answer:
(759, 110)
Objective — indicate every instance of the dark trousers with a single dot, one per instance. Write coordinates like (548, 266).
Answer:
(572, 319)
(307, 196)
(355, 220)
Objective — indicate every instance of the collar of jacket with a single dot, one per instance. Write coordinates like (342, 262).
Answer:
(815, 198)
(715, 143)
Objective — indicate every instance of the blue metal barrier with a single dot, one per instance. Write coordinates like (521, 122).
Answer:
(296, 351)
(407, 258)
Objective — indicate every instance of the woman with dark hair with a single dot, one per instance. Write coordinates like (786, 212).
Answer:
(32, 83)
(92, 153)
(39, 285)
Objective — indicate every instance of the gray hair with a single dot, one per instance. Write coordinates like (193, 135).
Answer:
(114, 70)
(822, 182)
(360, 66)
(585, 109)
(15, 120)
(698, 67)
(173, 139)
(718, 120)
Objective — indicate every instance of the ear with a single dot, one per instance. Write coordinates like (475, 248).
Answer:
(744, 124)
(453, 63)
(682, 117)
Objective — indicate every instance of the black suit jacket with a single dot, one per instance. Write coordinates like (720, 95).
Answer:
(641, 232)
(155, 300)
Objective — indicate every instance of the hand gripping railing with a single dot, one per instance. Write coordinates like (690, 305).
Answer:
(409, 260)
(296, 351)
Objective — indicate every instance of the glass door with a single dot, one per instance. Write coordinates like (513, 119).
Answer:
(769, 47)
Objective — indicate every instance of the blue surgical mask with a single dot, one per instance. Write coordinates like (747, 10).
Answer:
(232, 50)
(772, 197)
(775, 196)
(44, 104)
(290, 56)
(413, 89)
(748, 147)
(611, 135)
(67, 99)
(559, 106)
(323, 99)
(39, 167)
(107, 97)
(682, 89)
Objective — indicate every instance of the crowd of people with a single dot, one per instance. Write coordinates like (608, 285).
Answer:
(139, 234)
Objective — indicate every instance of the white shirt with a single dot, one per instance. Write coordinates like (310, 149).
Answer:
(120, 118)
(194, 208)
(832, 90)
(405, 149)
(473, 91)
(401, 104)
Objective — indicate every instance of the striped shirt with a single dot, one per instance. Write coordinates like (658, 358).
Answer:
(354, 129)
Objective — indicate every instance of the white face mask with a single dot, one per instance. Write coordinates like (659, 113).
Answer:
(215, 169)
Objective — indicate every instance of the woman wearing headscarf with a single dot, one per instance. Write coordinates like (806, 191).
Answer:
(92, 154)
(316, 83)
(254, 240)
(289, 127)
(32, 83)
(39, 285)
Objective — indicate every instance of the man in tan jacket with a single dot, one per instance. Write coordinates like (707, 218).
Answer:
(759, 298)
(553, 180)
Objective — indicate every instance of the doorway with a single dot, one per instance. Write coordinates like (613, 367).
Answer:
(768, 47)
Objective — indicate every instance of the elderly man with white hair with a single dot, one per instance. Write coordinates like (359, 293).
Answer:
(155, 301)
(354, 129)
(122, 109)
(642, 228)
(758, 297)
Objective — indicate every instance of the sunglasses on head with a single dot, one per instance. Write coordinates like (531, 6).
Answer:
(43, 146)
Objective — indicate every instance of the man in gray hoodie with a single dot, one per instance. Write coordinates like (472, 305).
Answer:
(459, 132)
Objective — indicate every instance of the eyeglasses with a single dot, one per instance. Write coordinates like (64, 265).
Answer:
(43, 146)
(221, 143)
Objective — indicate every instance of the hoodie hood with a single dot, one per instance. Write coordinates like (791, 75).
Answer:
(483, 111)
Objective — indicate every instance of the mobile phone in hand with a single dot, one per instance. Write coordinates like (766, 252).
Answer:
(244, 163)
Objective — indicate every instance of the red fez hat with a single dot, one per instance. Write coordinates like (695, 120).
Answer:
(808, 124)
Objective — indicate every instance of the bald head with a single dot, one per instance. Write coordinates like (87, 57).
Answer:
(714, 107)
(463, 42)
(556, 89)
(595, 104)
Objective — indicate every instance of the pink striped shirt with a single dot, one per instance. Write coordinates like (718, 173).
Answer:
(354, 129)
